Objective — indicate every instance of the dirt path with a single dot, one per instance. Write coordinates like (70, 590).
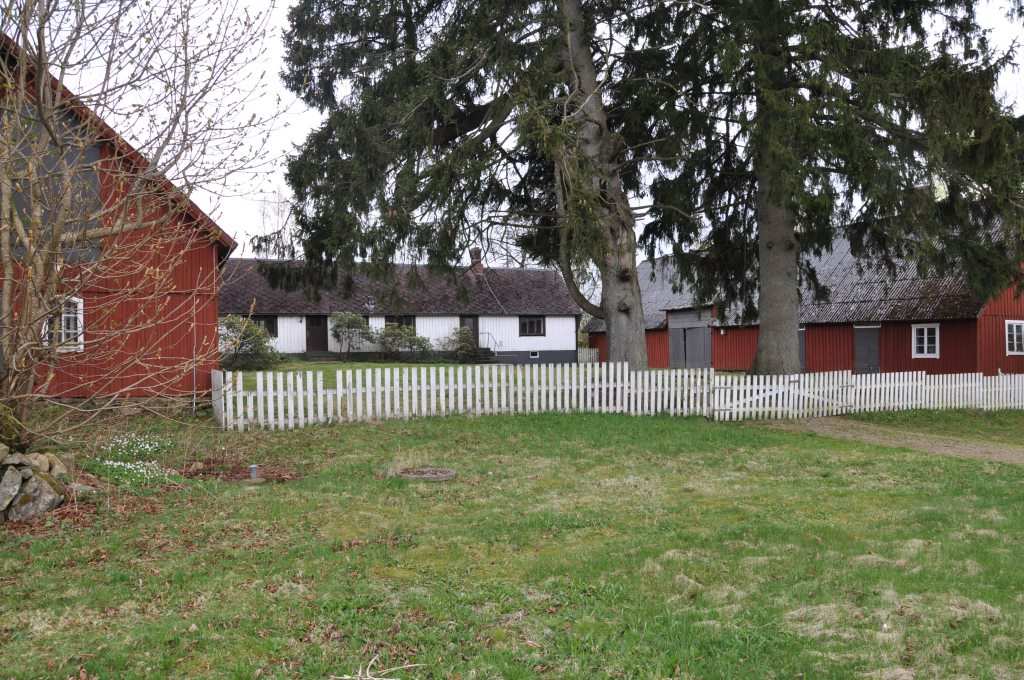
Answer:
(845, 428)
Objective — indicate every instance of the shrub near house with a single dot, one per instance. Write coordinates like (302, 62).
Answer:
(245, 345)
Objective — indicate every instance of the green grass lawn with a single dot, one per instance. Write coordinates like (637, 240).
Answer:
(330, 368)
(582, 546)
(998, 426)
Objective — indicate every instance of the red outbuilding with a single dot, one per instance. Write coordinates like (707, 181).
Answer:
(871, 322)
(139, 275)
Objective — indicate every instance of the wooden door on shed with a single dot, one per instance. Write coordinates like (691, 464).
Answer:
(677, 347)
(316, 333)
(698, 347)
(865, 349)
(689, 347)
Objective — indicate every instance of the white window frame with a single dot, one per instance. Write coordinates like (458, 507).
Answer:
(1010, 323)
(67, 344)
(913, 341)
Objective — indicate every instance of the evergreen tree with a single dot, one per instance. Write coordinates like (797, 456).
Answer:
(794, 122)
(449, 122)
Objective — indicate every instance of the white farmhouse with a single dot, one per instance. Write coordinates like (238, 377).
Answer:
(521, 315)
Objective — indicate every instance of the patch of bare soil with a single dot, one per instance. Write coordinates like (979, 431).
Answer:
(845, 428)
(427, 474)
(227, 470)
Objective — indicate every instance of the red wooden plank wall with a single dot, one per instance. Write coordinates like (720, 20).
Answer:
(957, 348)
(657, 347)
(992, 356)
(828, 347)
(733, 348)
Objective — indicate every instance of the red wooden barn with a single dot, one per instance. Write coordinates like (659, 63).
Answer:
(140, 282)
(871, 322)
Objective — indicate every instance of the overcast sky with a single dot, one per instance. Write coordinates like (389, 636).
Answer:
(244, 213)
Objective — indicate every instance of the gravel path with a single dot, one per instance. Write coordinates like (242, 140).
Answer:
(845, 428)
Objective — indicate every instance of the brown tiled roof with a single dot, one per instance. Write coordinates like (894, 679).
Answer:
(408, 289)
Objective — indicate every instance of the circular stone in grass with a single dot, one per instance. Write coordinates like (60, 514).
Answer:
(427, 474)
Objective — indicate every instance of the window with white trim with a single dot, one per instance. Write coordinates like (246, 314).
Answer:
(71, 333)
(1014, 337)
(925, 338)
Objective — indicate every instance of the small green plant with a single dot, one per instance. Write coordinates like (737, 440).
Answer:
(462, 344)
(131, 460)
(350, 330)
(245, 345)
(132, 447)
(395, 340)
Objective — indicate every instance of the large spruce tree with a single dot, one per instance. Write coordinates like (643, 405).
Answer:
(795, 122)
(446, 122)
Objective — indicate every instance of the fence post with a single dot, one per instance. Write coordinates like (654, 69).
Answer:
(217, 397)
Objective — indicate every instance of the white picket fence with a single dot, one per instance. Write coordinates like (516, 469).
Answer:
(286, 400)
(809, 395)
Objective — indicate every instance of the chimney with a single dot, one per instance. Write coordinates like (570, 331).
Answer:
(476, 264)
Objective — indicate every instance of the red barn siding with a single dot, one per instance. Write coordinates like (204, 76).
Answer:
(992, 356)
(957, 348)
(657, 347)
(733, 348)
(828, 347)
(152, 331)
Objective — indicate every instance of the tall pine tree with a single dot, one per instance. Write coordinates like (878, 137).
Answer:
(448, 121)
(794, 122)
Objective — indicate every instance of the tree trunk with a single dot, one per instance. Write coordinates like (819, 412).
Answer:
(621, 305)
(778, 341)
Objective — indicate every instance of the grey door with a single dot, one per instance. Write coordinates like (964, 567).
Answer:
(698, 347)
(677, 347)
(865, 349)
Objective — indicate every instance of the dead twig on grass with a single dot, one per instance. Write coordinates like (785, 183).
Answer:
(369, 674)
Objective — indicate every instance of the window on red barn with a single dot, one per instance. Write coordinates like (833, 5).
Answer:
(70, 335)
(925, 341)
(1014, 337)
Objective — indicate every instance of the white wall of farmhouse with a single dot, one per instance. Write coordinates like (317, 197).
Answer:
(501, 334)
(437, 329)
(291, 335)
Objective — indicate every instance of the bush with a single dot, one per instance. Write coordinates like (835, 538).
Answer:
(245, 345)
(349, 329)
(394, 340)
(462, 344)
